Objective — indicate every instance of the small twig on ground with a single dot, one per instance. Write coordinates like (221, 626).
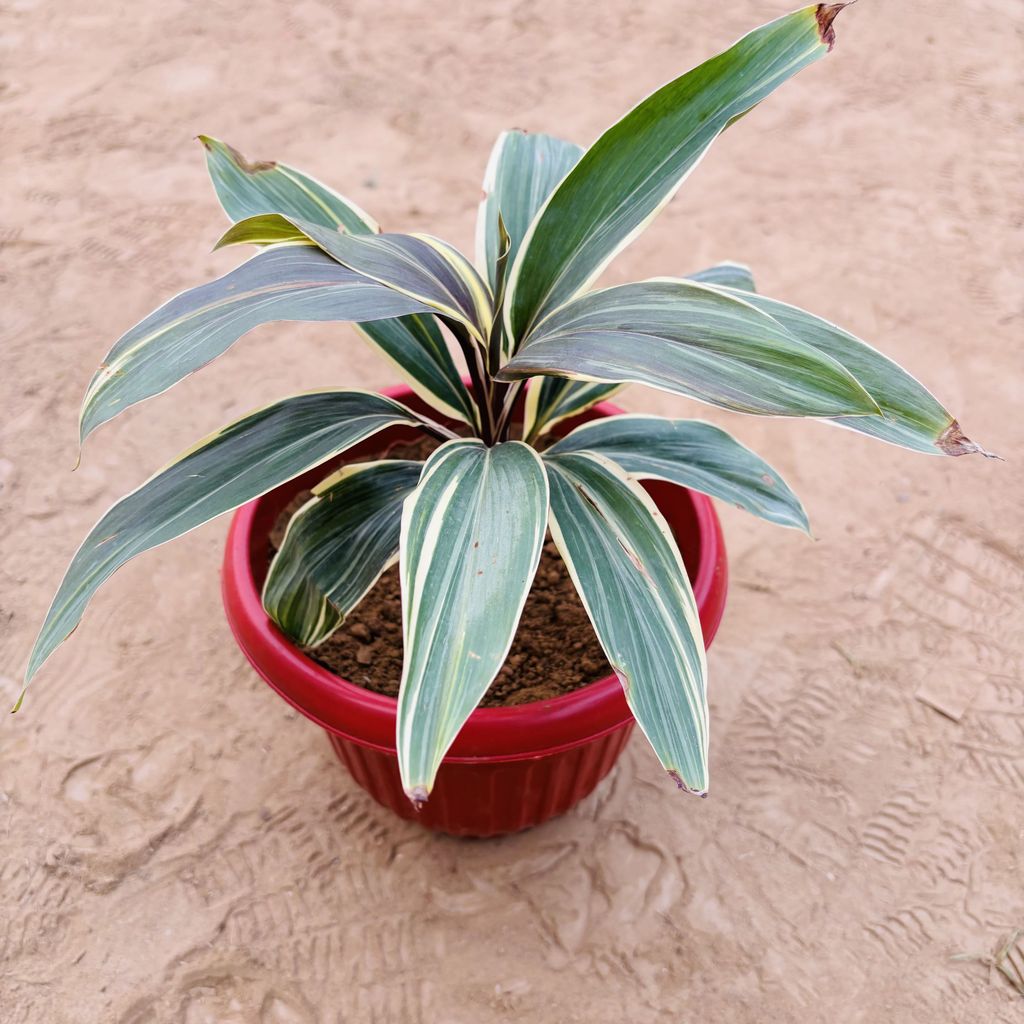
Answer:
(1008, 959)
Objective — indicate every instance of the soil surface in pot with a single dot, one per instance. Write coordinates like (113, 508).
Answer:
(555, 650)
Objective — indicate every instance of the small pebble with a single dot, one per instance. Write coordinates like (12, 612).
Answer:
(364, 655)
(360, 631)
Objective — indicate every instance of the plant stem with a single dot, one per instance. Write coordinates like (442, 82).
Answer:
(505, 416)
(478, 377)
(437, 429)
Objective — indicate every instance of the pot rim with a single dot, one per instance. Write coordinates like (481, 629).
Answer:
(520, 732)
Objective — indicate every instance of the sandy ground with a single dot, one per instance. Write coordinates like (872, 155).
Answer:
(177, 845)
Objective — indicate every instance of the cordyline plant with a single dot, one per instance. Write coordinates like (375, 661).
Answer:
(467, 526)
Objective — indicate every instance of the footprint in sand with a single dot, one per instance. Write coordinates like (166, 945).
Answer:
(126, 804)
(231, 997)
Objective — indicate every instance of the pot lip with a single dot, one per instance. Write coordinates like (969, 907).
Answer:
(509, 733)
(521, 755)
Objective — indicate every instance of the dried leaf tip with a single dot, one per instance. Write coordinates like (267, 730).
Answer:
(244, 165)
(678, 780)
(418, 796)
(826, 14)
(953, 441)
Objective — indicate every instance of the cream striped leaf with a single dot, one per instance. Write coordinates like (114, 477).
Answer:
(911, 416)
(418, 265)
(726, 275)
(550, 400)
(636, 166)
(413, 344)
(691, 339)
(472, 534)
(336, 547)
(415, 347)
(241, 461)
(694, 454)
(626, 566)
(523, 170)
(249, 187)
(183, 335)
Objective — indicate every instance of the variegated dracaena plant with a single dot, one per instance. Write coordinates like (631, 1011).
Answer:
(467, 526)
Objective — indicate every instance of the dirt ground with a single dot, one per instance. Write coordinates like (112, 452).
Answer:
(177, 845)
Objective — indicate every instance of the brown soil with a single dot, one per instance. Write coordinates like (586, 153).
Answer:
(555, 650)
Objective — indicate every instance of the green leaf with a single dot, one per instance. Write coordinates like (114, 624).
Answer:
(497, 342)
(246, 188)
(636, 166)
(336, 547)
(523, 170)
(241, 461)
(694, 454)
(630, 576)
(286, 283)
(684, 337)
(549, 400)
(264, 229)
(911, 416)
(414, 344)
(419, 266)
(726, 275)
(471, 540)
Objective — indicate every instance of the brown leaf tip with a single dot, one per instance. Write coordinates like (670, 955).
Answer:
(678, 780)
(826, 14)
(418, 796)
(251, 166)
(246, 166)
(953, 441)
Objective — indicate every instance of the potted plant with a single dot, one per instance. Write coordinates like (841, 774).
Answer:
(525, 442)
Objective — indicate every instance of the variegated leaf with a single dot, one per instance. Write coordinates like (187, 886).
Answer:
(420, 266)
(635, 167)
(415, 347)
(497, 342)
(911, 416)
(472, 534)
(680, 336)
(413, 344)
(286, 283)
(246, 188)
(243, 460)
(523, 170)
(336, 547)
(631, 579)
(549, 400)
(694, 454)
(726, 275)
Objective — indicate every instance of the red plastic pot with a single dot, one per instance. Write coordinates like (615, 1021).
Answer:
(509, 768)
